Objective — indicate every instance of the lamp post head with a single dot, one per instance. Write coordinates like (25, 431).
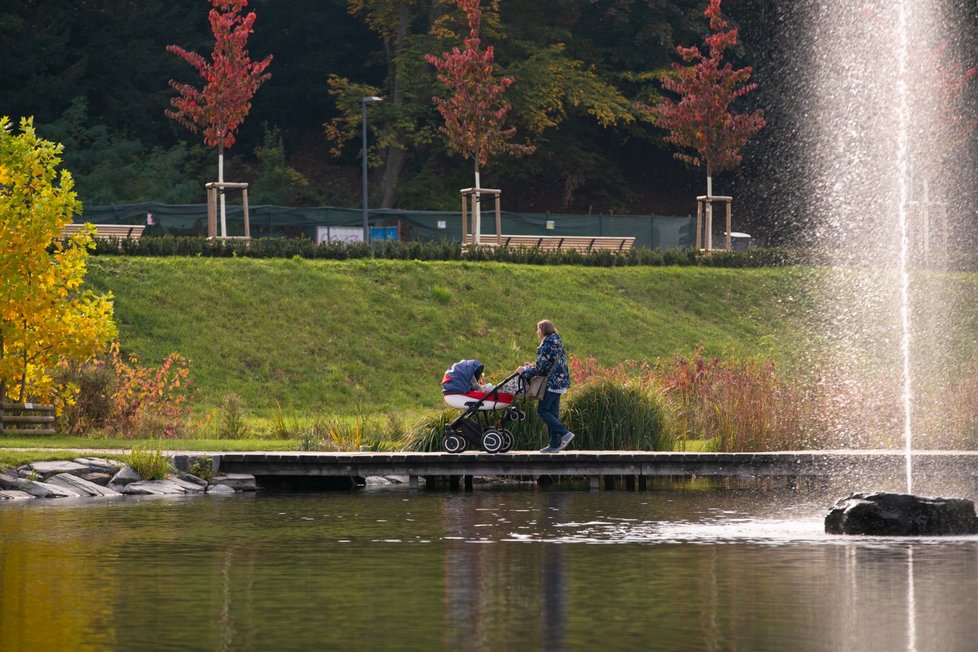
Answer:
(372, 99)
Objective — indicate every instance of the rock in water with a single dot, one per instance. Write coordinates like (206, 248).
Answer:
(901, 515)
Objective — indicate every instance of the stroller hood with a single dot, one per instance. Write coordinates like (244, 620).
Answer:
(458, 379)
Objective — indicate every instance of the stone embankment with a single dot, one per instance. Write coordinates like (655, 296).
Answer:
(89, 477)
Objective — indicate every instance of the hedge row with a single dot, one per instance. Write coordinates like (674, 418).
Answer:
(304, 248)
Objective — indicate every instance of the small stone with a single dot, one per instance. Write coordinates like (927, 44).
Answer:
(220, 489)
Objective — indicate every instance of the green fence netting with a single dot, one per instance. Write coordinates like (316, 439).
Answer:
(322, 223)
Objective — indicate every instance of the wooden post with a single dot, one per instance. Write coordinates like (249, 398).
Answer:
(699, 223)
(465, 222)
(499, 222)
(211, 211)
(213, 188)
(729, 220)
(247, 225)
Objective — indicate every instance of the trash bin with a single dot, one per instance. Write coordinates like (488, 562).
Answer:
(739, 241)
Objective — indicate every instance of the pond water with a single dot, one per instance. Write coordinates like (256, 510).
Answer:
(494, 569)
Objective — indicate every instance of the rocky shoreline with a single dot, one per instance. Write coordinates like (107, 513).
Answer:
(93, 477)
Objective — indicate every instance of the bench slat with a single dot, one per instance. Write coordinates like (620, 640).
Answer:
(108, 231)
(559, 243)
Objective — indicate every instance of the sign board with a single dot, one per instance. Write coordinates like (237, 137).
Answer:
(339, 233)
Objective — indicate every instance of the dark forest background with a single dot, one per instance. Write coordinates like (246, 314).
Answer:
(94, 73)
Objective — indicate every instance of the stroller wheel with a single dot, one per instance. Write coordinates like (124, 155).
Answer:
(515, 414)
(453, 444)
(508, 441)
(492, 441)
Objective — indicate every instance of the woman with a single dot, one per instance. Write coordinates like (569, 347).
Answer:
(551, 362)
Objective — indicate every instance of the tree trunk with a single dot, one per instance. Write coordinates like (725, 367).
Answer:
(709, 207)
(220, 189)
(396, 156)
(477, 208)
(393, 166)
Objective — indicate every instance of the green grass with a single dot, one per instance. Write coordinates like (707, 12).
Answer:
(375, 336)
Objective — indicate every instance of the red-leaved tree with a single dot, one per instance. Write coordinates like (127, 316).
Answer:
(231, 80)
(475, 113)
(703, 119)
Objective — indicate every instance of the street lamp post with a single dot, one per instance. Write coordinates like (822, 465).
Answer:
(364, 101)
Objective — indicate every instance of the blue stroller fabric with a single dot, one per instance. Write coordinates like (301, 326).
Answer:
(458, 379)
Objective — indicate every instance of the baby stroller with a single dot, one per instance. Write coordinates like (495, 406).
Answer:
(485, 411)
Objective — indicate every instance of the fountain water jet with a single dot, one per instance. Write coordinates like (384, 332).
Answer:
(874, 131)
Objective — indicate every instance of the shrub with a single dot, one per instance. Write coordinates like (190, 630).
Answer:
(202, 467)
(147, 402)
(609, 415)
(232, 425)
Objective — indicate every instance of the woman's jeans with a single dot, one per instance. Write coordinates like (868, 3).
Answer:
(548, 409)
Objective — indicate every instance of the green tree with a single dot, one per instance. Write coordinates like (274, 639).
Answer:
(46, 315)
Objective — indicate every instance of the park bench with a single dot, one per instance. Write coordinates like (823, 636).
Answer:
(26, 419)
(557, 242)
(108, 231)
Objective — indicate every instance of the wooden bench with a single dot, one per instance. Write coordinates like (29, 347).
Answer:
(108, 231)
(557, 242)
(26, 419)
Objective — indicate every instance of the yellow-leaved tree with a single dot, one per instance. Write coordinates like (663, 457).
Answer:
(47, 317)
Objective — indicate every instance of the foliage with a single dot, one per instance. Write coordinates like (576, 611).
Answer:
(475, 112)
(148, 402)
(231, 77)
(702, 119)
(149, 463)
(303, 248)
(108, 167)
(610, 415)
(46, 315)
(232, 425)
(202, 467)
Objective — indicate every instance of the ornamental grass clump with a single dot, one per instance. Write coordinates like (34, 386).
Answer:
(150, 464)
(608, 415)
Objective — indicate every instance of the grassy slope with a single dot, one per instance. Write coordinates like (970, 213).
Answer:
(339, 336)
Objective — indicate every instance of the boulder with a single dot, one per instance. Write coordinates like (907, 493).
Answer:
(47, 490)
(99, 465)
(220, 489)
(45, 470)
(101, 479)
(237, 481)
(154, 488)
(11, 494)
(889, 514)
(125, 475)
(80, 485)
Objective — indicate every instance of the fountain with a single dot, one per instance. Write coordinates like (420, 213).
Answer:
(886, 105)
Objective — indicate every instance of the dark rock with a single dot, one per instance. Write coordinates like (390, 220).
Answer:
(887, 514)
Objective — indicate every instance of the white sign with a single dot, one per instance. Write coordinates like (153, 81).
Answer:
(550, 225)
(339, 233)
(442, 224)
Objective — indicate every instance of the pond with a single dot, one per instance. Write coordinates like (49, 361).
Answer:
(497, 568)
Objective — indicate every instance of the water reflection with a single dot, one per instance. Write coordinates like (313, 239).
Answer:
(486, 570)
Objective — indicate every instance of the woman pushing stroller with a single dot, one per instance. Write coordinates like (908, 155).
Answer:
(551, 362)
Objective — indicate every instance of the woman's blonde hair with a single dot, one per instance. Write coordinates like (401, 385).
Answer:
(546, 327)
